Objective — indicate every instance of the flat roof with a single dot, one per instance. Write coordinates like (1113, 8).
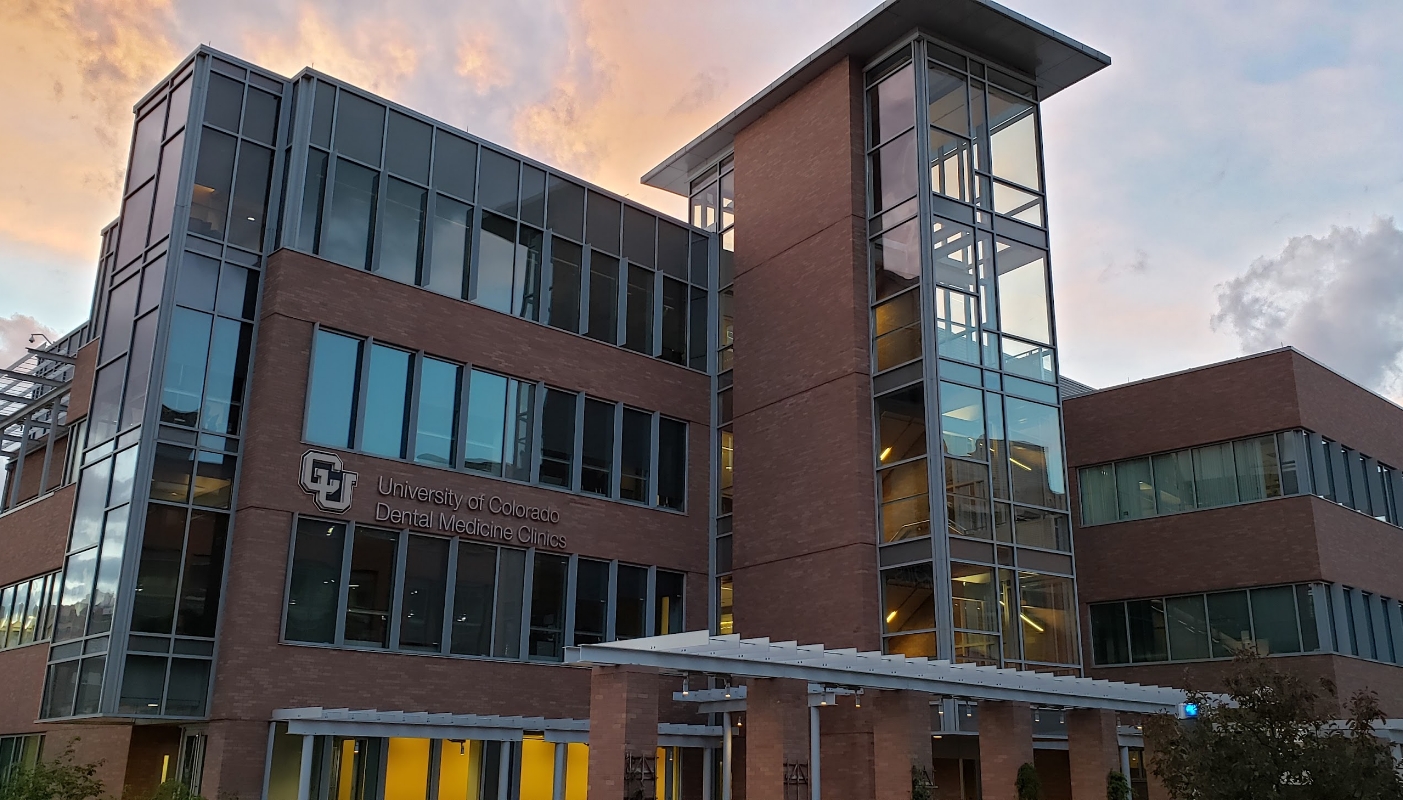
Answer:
(982, 27)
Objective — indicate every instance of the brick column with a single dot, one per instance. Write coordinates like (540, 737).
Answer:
(1005, 744)
(776, 733)
(623, 720)
(1093, 750)
(1156, 789)
(900, 741)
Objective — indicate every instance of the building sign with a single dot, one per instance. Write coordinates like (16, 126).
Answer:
(325, 478)
(482, 516)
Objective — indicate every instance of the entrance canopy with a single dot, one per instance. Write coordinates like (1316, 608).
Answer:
(700, 652)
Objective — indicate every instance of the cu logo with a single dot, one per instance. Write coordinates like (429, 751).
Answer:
(325, 479)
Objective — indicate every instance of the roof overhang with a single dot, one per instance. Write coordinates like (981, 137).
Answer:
(761, 658)
(982, 27)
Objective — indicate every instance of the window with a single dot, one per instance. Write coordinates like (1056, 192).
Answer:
(631, 603)
(370, 587)
(360, 128)
(1013, 139)
(566, 261)
(638, 327)
(672, 464)
(898, 330)
(436, 438)
(1048, 609)
(496, 262)
(636, 455)
(386, 402)
(1035, 454)
(674, 321)
(1230, 623)
(547, 639)
(962, 421)
(908, 598)
(331, 398)
(597, 457)
(1023, 298)
(402, 239)
(667, 604)
(905, 496)
(472, 599)
(558, 438)
(214, 178)
(603, 298)
(452, 251)
(591, 601)
(901, 425)
(1136, 494)
(1148, 636)
(567, 208)
(250, 199)
(896, 259)
(314, 590)
(500, 411)
(347, 231)
(186, 358)
(424, 591)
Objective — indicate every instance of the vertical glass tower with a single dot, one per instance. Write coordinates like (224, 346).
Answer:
(971, 480)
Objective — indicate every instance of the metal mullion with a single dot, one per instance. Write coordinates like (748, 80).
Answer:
(425, 274)
(300, 122)
(650, 622)
(611, 604)
(528, 583)
(475, 238)
(397, 599)
(616, 473)
(577, 458)
(412, 398)
(343, 594)
(362, 389)
(377, 227)
(449, 598)
(572, 588)
(492, 618)
(460, 425)
(538, 403)
(654, 430)
(53, 434)
(585, 275)
(655, 348)
(547, 278)
(287, 575)
(17, 474)
(621, 297)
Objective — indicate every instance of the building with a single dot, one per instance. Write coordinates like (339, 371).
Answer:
(1247, 504)
(373, 415)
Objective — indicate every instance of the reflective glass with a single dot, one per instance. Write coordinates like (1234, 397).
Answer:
(1258, 471)
(408, 152)
(566, 214)
(638, 324)
(674, 321)
(1029, 360)
(1215, 477)
(261, 116)
(672, 249)
(1035, 453)
(905, 502)
(894, 172)
(172, 473)
(186, 359)
(360, 128)
(602, 231)
(309, 230)
(202, 573)
(957, 325)
(455, 165)
(526, 280)
(371, 587)
(323, 108)
(908, 598)
(597, 456)
(189, 687)
(437, 413)
(949, 165)
(487, 411)
(472, 599)
(1018, 204)
(143, 683)
(962, 421)
(896, 259)
(214, 479)
(1148, 636)
(1187, 619)
(238, 292)
(59, 689)
(158, 576)
(163, 213)
(314, 591)
(547, 637)
(901, 425)
(558, 438)
(146, 144)
(1230, 625)
(1013, 139)
(603, 298)
(1135, 492)
(672, 463)
(667, 603)
(348, 230)
(250, 200)
(386, 402)
(424, 594)
(448, 265)
(898, 328)
(402, 234)
(591, 601)
(136, 221)
(631, 603)
(1023, 297)
(891, 106)
(91, 503)
(197, 281)
(223, 100)
(640, 236)
(495, 263)
(331, 400)
(497, 184)
(956, 261)
(1048, 610)
(566, 258)
(975, 602)
(967, 499)
(214, 177)
(139, 378)
(1035, 527)
(1174, 482)
(229, 353)
(946, 91)
(636, 453)
(1274, 620)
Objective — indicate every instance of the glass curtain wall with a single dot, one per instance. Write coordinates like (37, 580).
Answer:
(159, 467)
(971, 476)
(713, 209)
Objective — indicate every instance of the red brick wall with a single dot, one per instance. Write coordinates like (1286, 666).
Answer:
(1348, 413)
(81, 393)
(34, 470)
(33, 538)
(804, 552)
(23, 668)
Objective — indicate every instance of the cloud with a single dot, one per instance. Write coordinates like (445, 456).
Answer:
(373, 51)
(15, 331)
(1338, 297)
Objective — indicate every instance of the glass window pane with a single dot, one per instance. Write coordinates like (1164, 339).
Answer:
(905, 502)
(967, 499)
(143, 682)
(331, 401)
(640, 236)
(1258, 473)
(448, 264)
(472, 599)
(228, 370)
(894, 172)
(597, 458)
(497, 184)
(973, 592)
(896, 259)
(957, 325)
(214, 177)
(496, 261)
(424, 593)
(1174, 482)
(315, 589)
(322, 110)
(566, 260)
(898, 328)
(547, 639)
(238, 292)
(1230, 626)
(1109, 644)
(487, 408)
(946, 90)
(1305, 611)
(510, 586)
(672, 463)
(901, 425)
(347, 233)
(159, 574)
(1187, 620)
(1136, 494)
(93, 484)
(674, 322)
(146, 144)
(136, 222)
(408, 153)
(956, 256)
(1034, 527)
(386, 402)
(638, 328)
(672, 249)
(250, 200)
(1274, 620)
(189, 687)
(636, 454)
(558, 438)
(402, 242)
(631, 603)
(603, 214)
(962, 421)
(437, 413)
(521, 411)
(603, 298)
(1013, 139)
(185, 367)
(360, 128)
(223, 100)
(196, 283)
(1029, 360)
(526, 281)
(949, 165)
(1018, 204)
(1215, 478)
(1023, 299)
(172, 473)
(309, 230)
(163, 207)
(1148, 637)
(1049, 613)
(371, 587)
(455, 165)
(567, 208)
(667, 603)
(892, 106)
(697, 344)
(908, 599)
(591, 601)
(1035, 454)
(261, 116)
(203, 573)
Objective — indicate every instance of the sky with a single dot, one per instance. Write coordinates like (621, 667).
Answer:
(1232, 183)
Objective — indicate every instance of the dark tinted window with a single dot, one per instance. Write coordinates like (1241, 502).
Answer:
(639, 236)
(567, 208)
(603, 228)
(360, 128)
(597, 459)
(497, 183)
(223, 99)
(408, 153)
(455, 165)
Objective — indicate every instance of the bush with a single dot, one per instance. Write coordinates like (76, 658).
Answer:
(1029, 786)
(1117, 787)
(61, 778)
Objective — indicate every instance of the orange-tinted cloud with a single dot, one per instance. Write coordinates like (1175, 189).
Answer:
(376, 51)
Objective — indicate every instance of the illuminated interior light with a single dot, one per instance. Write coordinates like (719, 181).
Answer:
(891, 617)
(1020, 464)
(1032, 622)
(885, 453)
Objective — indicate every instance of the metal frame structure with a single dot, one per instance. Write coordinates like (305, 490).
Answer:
(34, 397)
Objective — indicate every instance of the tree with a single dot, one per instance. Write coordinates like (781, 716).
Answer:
(61, 778)
(1029, 786)
(1275, 739)
(1117, 787)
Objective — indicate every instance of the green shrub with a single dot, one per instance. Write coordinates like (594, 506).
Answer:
(1117, 787)
(1028, 784)
(61, 778)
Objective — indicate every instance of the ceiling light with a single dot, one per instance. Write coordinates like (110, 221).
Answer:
(1030, 621)
(891, 617)
(885, 453)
